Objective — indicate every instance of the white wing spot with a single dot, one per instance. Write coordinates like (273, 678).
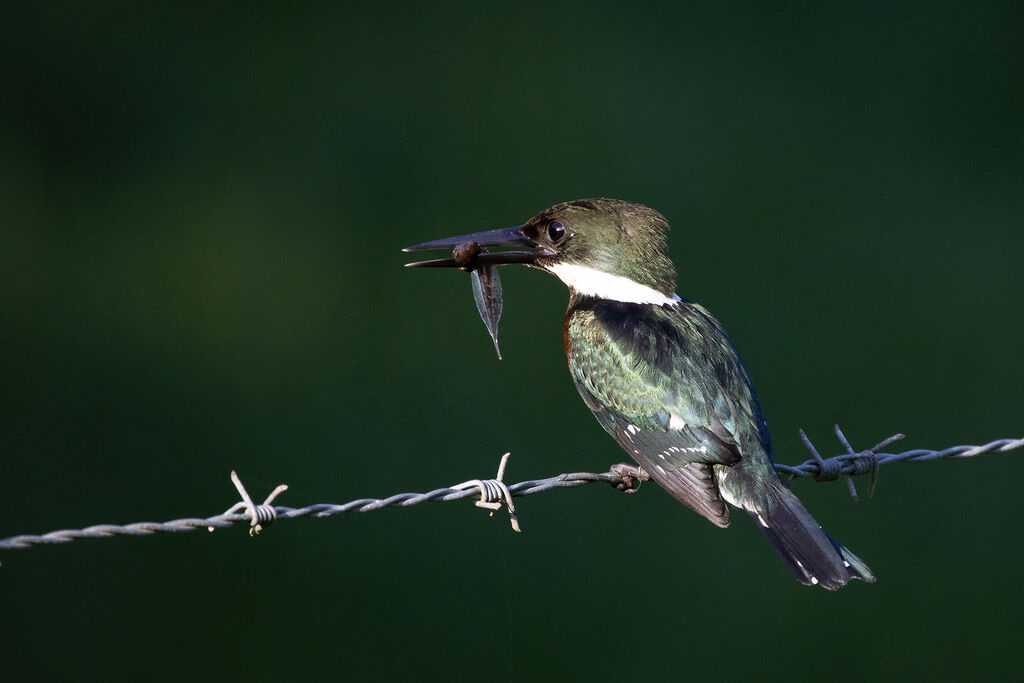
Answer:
(765, 525)
(676, 422)
(814, 580)
(661, 469)
(846, 564)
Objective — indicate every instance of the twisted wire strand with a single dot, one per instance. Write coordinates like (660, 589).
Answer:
(851, 465)
(822, 469)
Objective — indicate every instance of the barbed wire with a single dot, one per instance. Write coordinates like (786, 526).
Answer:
(494, 493)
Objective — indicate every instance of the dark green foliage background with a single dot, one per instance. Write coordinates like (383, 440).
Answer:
(201, 211)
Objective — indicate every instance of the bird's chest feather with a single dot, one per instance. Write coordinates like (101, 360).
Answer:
(614, 365)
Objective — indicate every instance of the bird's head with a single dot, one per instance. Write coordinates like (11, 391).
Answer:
(606, 248)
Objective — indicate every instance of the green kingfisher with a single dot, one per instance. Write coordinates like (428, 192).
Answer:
(660, 373)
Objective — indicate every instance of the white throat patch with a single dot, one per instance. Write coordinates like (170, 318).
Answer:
(604, 285)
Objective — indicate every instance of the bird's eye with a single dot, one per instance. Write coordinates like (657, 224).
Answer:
(556, 231)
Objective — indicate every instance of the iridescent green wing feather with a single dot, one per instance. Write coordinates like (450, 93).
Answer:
(659, 381)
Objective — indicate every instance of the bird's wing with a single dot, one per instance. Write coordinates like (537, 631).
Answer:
(670, 390)
(678, 468)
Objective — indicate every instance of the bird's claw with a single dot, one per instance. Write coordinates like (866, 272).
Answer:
(630, 477)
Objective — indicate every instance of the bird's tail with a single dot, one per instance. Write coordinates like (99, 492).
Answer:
(814, 557)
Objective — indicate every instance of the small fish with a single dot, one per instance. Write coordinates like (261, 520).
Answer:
(487, 293)
(486, 287)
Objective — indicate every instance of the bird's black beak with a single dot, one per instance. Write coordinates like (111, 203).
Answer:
(469, 252)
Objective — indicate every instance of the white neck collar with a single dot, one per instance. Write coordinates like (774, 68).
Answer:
(602, 285)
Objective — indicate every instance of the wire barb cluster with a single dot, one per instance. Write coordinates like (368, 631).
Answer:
(494, 493)
(260, 516)
(862, 463)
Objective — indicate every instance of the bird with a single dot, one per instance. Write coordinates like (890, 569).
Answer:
(660, 373)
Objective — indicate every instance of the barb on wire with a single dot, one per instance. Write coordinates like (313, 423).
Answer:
(494, 493)
(828, 470)
(260, 515)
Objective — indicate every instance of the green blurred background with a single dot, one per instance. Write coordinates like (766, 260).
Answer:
(201, 212)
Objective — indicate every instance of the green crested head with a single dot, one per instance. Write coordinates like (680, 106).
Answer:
(588, 243)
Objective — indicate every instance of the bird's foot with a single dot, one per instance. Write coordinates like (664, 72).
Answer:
(630, 477)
